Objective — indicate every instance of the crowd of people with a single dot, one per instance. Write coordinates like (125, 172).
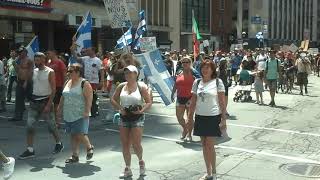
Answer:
(52, 86)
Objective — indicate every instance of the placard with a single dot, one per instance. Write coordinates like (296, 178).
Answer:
(118, 13)
(148, 43)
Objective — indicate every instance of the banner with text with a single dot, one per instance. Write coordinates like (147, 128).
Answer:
(118, 13)
(27, 4)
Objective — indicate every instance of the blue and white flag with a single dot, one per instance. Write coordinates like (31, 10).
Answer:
(142, 28)
(156, 72)
(125, 40)
(83, 34)
(33, 47)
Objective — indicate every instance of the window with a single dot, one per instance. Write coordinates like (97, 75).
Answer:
(79, 19)
(149, 12)
(143, 5)
(156, 12)
(201, 10)
(222, 4)
(161, 13)
(167, 12)
(221, 19)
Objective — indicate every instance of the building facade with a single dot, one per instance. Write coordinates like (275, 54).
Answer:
(281, 21)
(221, 24)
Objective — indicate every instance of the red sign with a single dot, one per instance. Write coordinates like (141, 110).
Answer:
(41, 5)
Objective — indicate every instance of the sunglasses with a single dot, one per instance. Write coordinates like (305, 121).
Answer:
(70, 71)
(185, 62)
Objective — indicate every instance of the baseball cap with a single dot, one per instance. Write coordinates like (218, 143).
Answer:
(131, 68)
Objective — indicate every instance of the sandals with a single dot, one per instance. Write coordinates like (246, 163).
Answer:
(90, 153)
(142, 168)
(184, 134)
(72, 159)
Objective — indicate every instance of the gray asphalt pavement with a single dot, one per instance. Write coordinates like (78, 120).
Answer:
(266, 144)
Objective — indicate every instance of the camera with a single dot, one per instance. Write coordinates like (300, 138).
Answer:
(133, 108)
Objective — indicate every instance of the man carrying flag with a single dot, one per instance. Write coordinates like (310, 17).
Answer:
(196, 37)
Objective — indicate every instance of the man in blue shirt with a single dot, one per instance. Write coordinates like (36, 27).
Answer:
(272, 74)
(235, 64)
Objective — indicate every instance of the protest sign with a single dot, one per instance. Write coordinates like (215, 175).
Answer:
(313, 50)
(118, 14)
(285, 48)
(148, 43)
(293, 48)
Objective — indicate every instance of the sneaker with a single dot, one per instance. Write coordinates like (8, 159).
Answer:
(207, 177)
(26, 155)
(9, 168)
(142, 168)
(58, 148)
(126, 173)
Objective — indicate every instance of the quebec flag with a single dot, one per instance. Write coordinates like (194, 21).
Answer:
(33, 47)
(156, 72)
(125, 40)
(83, 34)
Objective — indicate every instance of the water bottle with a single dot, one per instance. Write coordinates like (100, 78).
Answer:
(116, 118)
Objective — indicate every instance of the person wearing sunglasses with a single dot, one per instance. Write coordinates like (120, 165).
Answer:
(183, 86)
(77, 91)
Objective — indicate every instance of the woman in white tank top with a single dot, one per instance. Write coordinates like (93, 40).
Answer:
(128, 99)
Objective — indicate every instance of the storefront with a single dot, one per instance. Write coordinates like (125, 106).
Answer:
(21, 20)
(55, 22)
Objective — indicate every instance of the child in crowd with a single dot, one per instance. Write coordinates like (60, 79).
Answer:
(258, 86)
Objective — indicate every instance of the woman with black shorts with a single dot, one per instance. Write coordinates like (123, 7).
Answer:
(208, 105)
(183, 85)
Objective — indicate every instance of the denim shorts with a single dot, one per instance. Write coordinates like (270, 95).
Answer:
(80, 126)
(132, 124)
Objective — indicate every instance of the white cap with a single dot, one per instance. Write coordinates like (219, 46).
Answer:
(166, 53)
(202, 52)
(132, 68)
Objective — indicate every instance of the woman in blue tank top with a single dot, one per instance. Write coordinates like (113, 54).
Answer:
(77, 91)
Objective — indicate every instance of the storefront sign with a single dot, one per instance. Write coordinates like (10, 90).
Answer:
(27, 4)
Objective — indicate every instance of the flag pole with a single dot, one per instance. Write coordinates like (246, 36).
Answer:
(194, 57)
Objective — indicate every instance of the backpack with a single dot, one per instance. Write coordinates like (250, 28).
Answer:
(198, 82)
(267, 67)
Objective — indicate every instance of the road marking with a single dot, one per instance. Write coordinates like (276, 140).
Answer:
(298, 159)
(246, 126)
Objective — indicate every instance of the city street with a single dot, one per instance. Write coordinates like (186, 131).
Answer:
(265, 143)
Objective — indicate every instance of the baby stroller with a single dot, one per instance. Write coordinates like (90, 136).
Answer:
(243, 90)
